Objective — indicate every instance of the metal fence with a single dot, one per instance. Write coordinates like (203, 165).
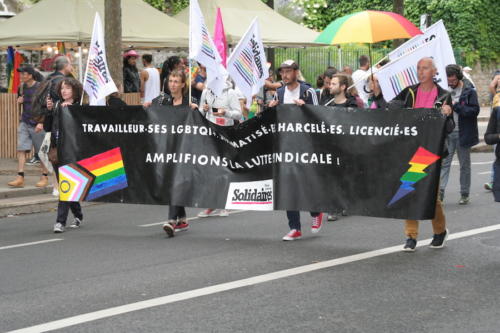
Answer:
(314, 60)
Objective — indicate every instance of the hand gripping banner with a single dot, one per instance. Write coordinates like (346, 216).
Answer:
(311, 158)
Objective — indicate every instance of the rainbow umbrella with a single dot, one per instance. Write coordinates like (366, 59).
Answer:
(369, 26)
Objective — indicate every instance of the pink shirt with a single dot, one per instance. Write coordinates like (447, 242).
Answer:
(426, 99)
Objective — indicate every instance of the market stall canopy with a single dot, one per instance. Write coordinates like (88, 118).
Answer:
(275, 29)
(71, 21)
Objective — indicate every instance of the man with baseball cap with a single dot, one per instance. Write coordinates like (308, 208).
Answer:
(27, 133)
(296, 92)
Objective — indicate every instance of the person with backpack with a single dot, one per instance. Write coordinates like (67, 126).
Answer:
(29, 133)
(69, 93)
(299, 93)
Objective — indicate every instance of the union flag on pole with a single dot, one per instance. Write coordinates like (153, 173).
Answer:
(247, 63)
(203, 50)
(97, 81)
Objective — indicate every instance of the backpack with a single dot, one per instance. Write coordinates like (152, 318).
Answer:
(39, 104)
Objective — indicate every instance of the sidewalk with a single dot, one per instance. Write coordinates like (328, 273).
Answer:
(26, 200)
(482, 123)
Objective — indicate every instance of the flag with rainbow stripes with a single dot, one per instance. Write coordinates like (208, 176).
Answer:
(247, 64)
(97, 81)
(93, 177)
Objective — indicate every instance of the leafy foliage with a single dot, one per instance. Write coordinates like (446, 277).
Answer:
(470, 23)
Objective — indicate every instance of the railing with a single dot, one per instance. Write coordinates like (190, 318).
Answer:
(9, 121)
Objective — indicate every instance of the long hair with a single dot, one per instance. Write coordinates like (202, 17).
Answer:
(167, 68)
(76, 88)
(182, 75)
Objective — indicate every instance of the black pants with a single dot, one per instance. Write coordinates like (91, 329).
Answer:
(64, 206)
(294, 218)
(176, 212)
(63, 209)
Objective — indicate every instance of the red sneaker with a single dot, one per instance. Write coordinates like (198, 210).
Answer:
(317, 222)
(206, 213)
(181, 226)
(293, 235)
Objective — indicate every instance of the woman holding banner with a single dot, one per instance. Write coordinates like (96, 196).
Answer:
(70, 92)
(223, 110)
(177, 86)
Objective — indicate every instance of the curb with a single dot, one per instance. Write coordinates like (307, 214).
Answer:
(31, 204)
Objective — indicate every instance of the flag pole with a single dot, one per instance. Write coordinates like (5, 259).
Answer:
(189, 57)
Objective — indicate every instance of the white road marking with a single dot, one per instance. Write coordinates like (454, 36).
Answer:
(485, 173)
(31, 243)
(190, 294)
(455, 162)
(189, 218)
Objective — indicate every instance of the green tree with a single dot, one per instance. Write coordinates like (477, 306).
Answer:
(470, 23)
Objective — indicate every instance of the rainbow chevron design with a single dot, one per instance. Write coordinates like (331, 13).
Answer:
(206, 46)
(96, 72)
(421, 160)
(404, 79)
(74, 182)
(109, 171)
(244, 64)
(93, 177)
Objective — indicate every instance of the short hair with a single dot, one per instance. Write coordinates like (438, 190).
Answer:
(320, 82)
(330, 72)
(181, 74)
(363, 60)
(60, 63)
(147, 58)
(433, 63)
(343, 80)
(454, 70)
(75, 85)
(384, 62)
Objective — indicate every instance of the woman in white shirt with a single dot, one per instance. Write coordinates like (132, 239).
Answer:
(222, 110)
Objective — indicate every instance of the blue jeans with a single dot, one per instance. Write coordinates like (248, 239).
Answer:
(464, 161)
(294, 218)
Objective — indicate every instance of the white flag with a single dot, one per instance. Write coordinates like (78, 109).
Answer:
(97, 81)
(437, 30)
(247, 63)
(402, 72)
(203, 50)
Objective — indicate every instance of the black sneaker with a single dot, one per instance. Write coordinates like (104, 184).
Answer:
(411, 245)
(441, 195)
(33, 161)
(439, 240)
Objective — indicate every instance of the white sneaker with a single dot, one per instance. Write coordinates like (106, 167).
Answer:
(76, 223)
(58, 228)
(224, 213)
(207, 212)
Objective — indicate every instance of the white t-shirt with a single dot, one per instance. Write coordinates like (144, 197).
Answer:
(291, 95)
(357, 76)
(152, 85)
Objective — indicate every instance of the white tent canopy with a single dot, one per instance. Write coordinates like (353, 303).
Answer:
(276, 30)
(71, 21)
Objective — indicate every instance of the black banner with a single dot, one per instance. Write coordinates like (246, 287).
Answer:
(311, 158)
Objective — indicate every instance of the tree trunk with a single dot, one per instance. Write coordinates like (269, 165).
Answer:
(113, 39)
(398, 8)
